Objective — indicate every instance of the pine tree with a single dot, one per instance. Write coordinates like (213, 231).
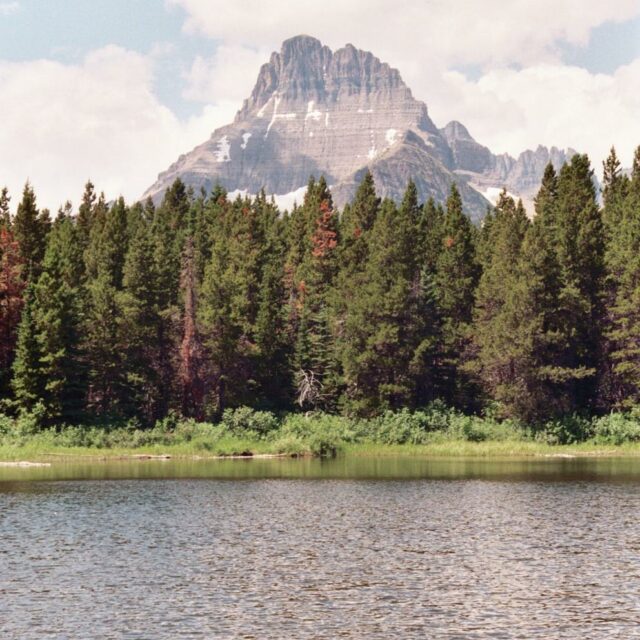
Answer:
(11, 301)
(86, 215)
(5, 214)
(498, 316)
(191, 349)
(31, 228)
(52, 333)
(580, 248)
(430, 235)
(105, 351)
(27, 381)
(141, 328)
(108, 245)
(623, 289)
(382, 354)
(229, 305)
(614, 191)
(455, 281)
(314, 370)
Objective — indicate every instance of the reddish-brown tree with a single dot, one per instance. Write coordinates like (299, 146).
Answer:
(12, 288)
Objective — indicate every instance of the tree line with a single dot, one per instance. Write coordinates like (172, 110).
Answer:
(115, 312)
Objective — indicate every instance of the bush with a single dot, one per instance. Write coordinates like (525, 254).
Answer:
(616, 428)
(244, 421)
(568, 430)
(402, 427)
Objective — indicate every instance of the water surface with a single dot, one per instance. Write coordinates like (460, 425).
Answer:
(353, 548)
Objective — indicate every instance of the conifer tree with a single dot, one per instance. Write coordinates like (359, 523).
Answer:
(11, 301)
(498, 316)
(229, 304)
(580, 248)
(27, 381)
(383, 327)
(455, 281)
(52, 366)
(191, 349)
(105, 254)
(430, 235)
(614, 191)
(5, 213)
(105, 351)
(86, 214)
(141, 326)
(314, 370)
(623, 288)
(31, 228)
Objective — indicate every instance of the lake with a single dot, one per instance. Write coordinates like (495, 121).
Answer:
(344, 548)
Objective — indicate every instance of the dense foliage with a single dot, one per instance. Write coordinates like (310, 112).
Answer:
(116, 313)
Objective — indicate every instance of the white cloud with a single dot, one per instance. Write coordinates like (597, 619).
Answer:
(100, 119)
(230, 73)
(524, 97)
(440, 32)
(9, 8)
(549, 104)
(63, 124)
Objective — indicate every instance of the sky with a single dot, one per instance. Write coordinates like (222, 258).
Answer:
(115, 90)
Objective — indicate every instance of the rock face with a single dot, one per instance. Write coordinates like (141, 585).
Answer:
(339, 114)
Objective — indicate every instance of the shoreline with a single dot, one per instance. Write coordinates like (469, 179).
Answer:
(16, 456)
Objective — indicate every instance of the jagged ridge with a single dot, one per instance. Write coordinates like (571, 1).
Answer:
(317, 112)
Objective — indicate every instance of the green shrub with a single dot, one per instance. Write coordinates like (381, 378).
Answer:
(616, 429)
(244, 421)
(567, 430)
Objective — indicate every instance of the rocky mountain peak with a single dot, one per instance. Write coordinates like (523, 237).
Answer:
(339, 114)
(455, 131)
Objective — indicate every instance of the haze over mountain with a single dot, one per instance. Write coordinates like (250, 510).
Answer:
(338, 114)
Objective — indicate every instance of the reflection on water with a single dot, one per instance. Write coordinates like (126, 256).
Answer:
(374, 548)
(349, 467)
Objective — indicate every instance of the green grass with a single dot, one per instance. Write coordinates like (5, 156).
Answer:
(435, 431)
(492, 449)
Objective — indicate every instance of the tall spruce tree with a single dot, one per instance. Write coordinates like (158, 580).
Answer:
(11, 301)
(384, 327)
(623, 289)
(141, 321)
(580, 247)
(498, 316)
(5, 213)
(31, 228)
(455, 280)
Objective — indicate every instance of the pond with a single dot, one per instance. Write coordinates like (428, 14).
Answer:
(345, 548)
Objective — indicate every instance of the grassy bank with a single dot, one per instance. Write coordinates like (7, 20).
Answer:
(436, 431)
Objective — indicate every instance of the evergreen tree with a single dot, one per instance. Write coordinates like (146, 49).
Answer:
(191, 349)
(229, 305)
(141, 329)
(315, 375)
(455, 281)
(385, 335)
(614, 191)
(5, 214)
(580, 248)
(623, 289)
(108, 243)
(86, 214)
(11, 302)
(498, 316)
(105, 352)
(52, 333)
(31, 228)
(27, 381)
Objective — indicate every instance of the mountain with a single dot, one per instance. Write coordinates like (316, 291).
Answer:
(338, 114)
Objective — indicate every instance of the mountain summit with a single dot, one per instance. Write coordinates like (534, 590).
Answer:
(338, 114)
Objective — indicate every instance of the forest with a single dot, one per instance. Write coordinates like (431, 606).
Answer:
(113, 313)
